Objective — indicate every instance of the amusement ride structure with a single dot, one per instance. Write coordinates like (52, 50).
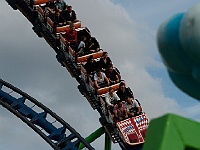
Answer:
(129, 133)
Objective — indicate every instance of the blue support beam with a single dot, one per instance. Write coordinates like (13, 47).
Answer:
(56, 137)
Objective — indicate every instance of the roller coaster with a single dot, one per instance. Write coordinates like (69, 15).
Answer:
(129, 133)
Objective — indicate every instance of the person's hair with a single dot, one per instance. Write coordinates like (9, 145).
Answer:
(104, 53)
(90, 58)
(57, 11)
(122, 83)
(119, 101)
(110, 88)
(98, 70)
(71, 25)
(69, 6)
(110, 66)
(82, 38)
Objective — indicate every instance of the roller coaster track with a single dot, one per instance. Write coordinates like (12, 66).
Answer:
(63, 137)
(58, 138)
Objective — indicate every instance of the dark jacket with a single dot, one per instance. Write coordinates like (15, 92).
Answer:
(125, 94)
(65, 14)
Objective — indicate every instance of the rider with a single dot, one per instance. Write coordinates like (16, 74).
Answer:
(120, 111)
(111, 99)
(133, 107)
(124, 92)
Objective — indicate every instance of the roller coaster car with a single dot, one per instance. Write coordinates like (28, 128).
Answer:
(69, 52)
(133, 130)
(50, 25)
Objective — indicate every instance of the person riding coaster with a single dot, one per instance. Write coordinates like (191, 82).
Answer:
(133, 107)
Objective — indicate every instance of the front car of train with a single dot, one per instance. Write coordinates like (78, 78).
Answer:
(133, 130)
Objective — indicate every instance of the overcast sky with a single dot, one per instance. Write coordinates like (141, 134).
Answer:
(126, 29)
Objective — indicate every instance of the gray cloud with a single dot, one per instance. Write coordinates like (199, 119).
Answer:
(28, 63)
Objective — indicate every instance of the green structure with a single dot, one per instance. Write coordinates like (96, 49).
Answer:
(172, 132)
(92, 137)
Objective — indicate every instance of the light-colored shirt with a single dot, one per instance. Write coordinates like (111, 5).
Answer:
(111, 99)
(130, 107)
(81, 47)
(98, 79)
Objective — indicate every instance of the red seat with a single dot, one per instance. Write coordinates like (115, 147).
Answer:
(105, 89)
(133, 138)
(38, 2)
(84, 58)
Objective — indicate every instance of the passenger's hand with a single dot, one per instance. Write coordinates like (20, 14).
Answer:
(92, 50)
(138, 113)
